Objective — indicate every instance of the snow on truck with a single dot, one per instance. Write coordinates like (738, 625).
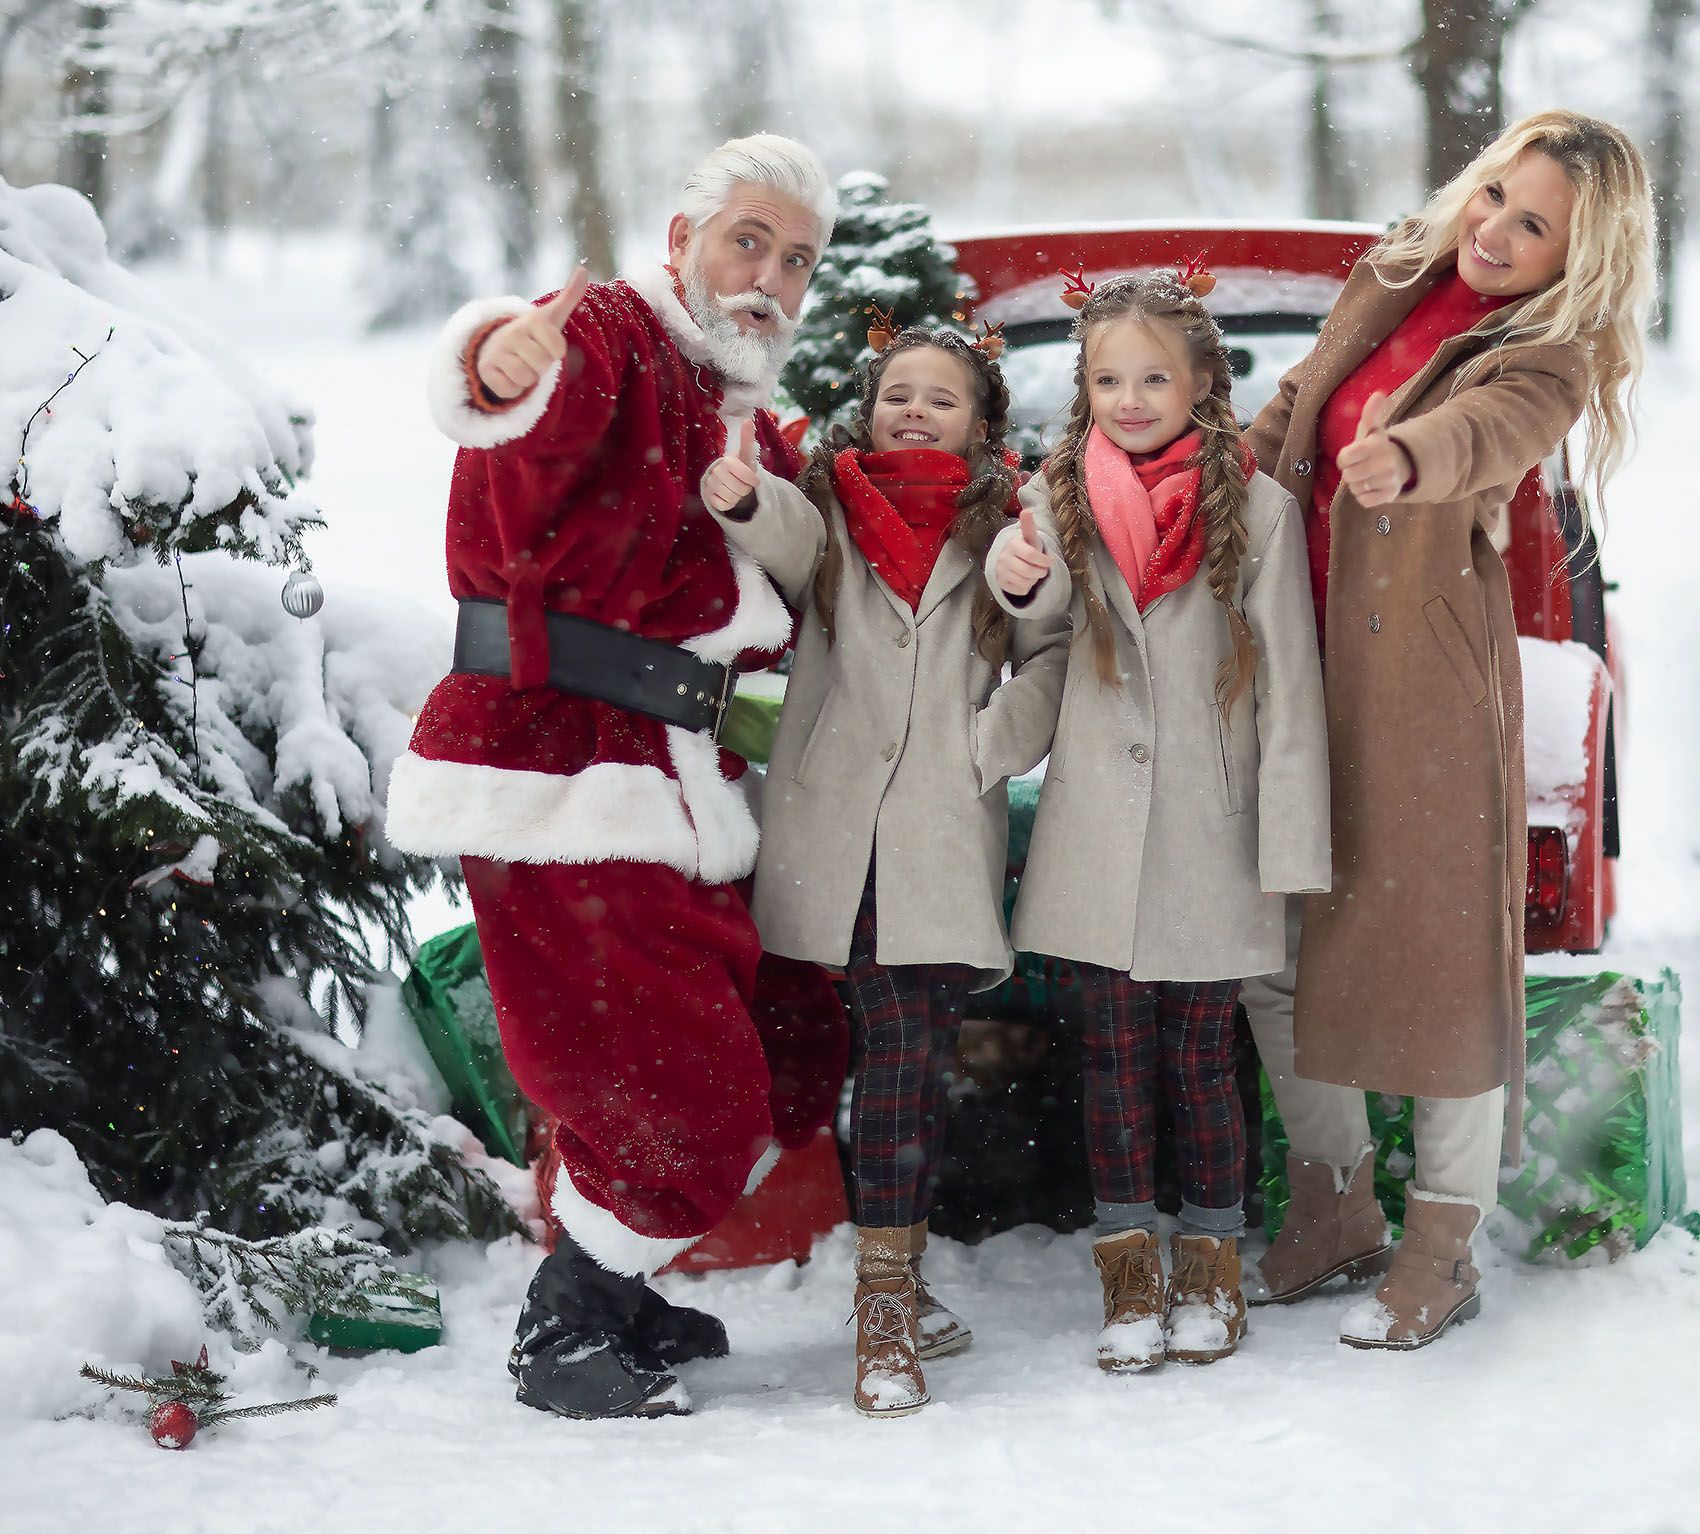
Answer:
(1275, 286)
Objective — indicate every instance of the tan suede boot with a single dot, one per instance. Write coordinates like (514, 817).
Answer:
(889, 1382)
(1431, 1283)
(1334, 1228)
(1206, 1308)
(938, 1329)
(1130, 1266)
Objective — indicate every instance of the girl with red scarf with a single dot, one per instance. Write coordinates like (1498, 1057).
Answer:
(884, 813)
(1187, 789)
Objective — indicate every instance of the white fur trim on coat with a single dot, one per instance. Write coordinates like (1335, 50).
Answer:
(764, 1165)
(446, 385)
(698, 823)
(726, 834)
(609, 811)
(760, 621)
(608, 1242)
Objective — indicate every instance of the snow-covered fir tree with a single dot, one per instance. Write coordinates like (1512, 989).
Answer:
(883, 255)
(196, 878)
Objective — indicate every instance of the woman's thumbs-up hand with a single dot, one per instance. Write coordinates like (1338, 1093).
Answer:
(1023, 562)
(513, 358)
(732, 479)
(1373, 466)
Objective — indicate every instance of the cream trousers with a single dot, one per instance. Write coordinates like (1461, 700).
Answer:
(1458, 1138)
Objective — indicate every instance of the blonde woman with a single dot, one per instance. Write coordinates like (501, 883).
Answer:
(1461, 351)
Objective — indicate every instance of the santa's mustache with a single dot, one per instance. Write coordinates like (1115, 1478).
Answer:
(752, 302)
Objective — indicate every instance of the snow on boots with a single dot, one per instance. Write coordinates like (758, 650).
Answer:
(1206, 1308)
(574, 1353)
(1130, 1266)
(1334, 1227)
(889, 1382)
(1431, 1283)
(938, 1329)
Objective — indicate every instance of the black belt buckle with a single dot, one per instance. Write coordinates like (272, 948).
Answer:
(722, 703)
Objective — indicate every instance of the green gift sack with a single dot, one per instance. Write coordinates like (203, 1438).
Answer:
(750, 723)
(399, 1311)
(1602, 1124)
(449, 1001)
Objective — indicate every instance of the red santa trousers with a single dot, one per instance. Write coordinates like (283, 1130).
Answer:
(628, 1004)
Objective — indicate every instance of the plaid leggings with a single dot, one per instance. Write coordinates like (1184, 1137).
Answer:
(1185, 1029)
(906, 1018)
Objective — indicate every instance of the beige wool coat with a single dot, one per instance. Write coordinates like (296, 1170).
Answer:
(893, 744)
(1410, 974)
(1165, 842)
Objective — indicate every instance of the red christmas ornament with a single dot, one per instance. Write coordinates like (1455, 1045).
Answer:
(173, 1425)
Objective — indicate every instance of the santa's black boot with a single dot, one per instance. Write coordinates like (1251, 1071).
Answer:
(675, 1334)
(571, 1354)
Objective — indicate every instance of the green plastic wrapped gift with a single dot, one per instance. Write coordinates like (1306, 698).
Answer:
(399, 1311)
(751, 720)
(1602, 1124)
(449, 1001)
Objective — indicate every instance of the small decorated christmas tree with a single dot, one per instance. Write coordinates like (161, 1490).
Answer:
(883, 256)
(191, 779)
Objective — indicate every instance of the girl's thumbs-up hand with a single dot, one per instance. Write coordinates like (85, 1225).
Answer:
(1023, 562)
(513, 358)
(732, 478)
(1374, 467)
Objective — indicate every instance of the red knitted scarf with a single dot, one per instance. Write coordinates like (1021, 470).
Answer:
(899, 507)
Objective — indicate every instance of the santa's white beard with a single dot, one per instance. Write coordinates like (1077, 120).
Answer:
(739, 356)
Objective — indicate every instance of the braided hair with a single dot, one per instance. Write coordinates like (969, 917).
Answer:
(1161, 298)
(980, 505)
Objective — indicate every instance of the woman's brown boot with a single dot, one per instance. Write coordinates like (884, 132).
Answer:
(1131, 1268)
(1432, 1281)
(1206, 1308)
(889, 1382)
(938, 1328)
(1334, 1228)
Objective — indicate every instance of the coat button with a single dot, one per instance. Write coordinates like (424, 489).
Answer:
(1375, 623)
(890, 751)
(1384, 525)
(903, 640)
(1141, 754)
(1301, 466)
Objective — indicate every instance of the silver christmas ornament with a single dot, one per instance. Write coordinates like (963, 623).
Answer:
(302, 594)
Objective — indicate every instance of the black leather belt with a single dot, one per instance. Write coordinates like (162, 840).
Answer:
(593, 660)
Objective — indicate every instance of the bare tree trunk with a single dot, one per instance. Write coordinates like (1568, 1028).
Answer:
(85, 99)
(502, 124)
(589, 217)
(1668, 26)
(1458, 65)
(1330, 187)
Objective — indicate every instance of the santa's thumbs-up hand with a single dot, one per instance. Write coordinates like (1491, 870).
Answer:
(1022, 562)
(731, 479)
(514, 357)
(1374, 466)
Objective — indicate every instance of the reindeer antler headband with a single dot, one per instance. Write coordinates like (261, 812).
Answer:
(1191, 274)
(885, 329)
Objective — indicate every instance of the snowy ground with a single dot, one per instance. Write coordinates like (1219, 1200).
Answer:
(1574, 1402)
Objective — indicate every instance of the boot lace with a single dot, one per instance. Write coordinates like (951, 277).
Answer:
(885, 1320)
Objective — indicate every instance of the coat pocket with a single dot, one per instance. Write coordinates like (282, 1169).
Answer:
(1455, 645)
(1227, 770)
(817, 734)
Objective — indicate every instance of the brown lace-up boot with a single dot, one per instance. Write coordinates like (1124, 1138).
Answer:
(938, 1328)
(889, 1382)
(1334, 1228)
(1131, 1268)
(1431, 1284)
(1206, 1308)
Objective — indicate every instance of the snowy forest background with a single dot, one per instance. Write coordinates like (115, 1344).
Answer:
(471, 144)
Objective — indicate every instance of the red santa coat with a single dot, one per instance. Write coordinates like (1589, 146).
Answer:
(583, 499)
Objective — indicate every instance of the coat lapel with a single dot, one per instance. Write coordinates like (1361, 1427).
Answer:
(950, 569)
(1118, 596)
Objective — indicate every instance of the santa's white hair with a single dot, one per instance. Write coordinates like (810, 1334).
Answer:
(762, 159)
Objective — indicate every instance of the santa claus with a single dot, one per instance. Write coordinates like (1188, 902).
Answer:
(570, 759)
